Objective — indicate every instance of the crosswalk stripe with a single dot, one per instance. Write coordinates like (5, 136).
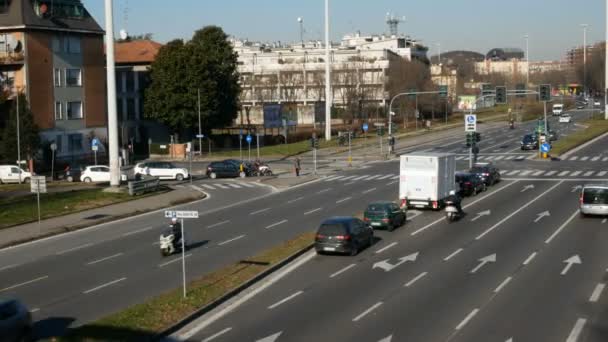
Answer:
(576, 173)
(333, 178)
(502, 172)
(595, 159)
(588, 173)
(208, 186)
(512, 173)
(221, 186)
(602, 173)
(459, 158)
(584, 158)
(605, 159)
(509, 157)
(532, 156)
(538, 173)
(395, 177)
(236, 186)
(385, 177)
(347, 178)
(490, 157)
(551, 173)
(360, 178)
(372, 177)
(527, 172)
(481, 157)
(573, 158)
(499, 158)
(248, 185)
(563, 173)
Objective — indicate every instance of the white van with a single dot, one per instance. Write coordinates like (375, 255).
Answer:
(594, 200)
(558, 109)
(12, 174)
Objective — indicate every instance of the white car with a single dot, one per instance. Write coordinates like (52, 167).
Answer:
(162, 170)
(565, 118)
(597, 103)
(96, 173)
(13, 174)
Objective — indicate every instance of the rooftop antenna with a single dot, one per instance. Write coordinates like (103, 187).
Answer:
(393, 23)
(124, 32)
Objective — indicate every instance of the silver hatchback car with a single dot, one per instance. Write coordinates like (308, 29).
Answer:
(594, 200)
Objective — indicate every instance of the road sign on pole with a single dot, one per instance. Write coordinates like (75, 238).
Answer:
(182, 214)
(470, 123)
(365, 127)
(545, 148)
(38, 186)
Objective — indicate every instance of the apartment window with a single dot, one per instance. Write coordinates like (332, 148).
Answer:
(131, 109)
(73, 77)
(56, 42)
(57, 77)
(74, 110)
(75, 142)
(130, 81)
(58, 111)
(59, 142)
(72, 44)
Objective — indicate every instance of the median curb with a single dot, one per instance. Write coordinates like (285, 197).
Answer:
(580, 147)
(231, 294)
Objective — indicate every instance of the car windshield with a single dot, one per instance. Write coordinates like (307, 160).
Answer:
(595, 196)
(332, 229)
(528, 138)
(378, 207)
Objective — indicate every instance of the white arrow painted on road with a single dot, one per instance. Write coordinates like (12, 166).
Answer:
(481, 214)
(541, 215)
(571, 261)
(484, 261)
(271, 338)
(527, 187)
(387, 339)
(578, 187)
(509, 340)
(387, 267)
(604, 220)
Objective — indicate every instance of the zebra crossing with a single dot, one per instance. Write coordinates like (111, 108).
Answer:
(499, 157)
(376, 177)
(599, 158)
(227, 186)
(554, 173)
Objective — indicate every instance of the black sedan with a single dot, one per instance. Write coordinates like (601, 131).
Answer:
(529, 142)
(488, 173)
(343, 235)
(470, 184)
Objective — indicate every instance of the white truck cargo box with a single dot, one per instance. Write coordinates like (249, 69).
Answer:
(426, 179)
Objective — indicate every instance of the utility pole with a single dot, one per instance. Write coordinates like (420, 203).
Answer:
(18, 136)
(328, 97)
(527, 37)
(584, 26)
(111, 84)
(606, 68)
(200, 133)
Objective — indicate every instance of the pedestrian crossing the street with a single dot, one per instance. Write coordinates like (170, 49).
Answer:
(554, 173)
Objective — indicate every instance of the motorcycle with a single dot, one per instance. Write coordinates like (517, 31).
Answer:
(451, 212)
(262, 170)
(167, 245)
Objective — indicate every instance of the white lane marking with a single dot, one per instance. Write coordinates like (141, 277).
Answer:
(386, 177)
(391, 183)
(467, 319)
(575, 173)
(551, 173)
(324, 190)
(360, 178)
(285, 300)
(214, 336)
(349, 183)
(236, 186)
(333, 178)
(276, 224)
(174, 260)
(104, 285)
(296, 199)
(538, 173)
(137, 231)
(208, 186)
(563, 173)
(368, 191)
(502, 172)
(104, 259)
(464, 207)
(480, 236)
(247, 185)
(453, 254)
(418, 277)
(573, 158)
(312, 211)
(395, 177)
(597, 292)
(460, 158)
(576, 331)
(347, 178)
(584, 158)
(509, 157)
(335, 274)
(527, 172)
(527, 261)
(512, 173)
(386, 247)
(231, 240)
(196, 188)
(8, 267)
(343, 200)
(499, 158)
(605, 159)
(75, 249)
(602, 173)
(588, 173)
(364, 313)
(595, 159)
(502, 285)
(34, 310)
(372, 177)
(23, 284)
(562, 227)
(218, 224)
(221, 186)
(259, 211)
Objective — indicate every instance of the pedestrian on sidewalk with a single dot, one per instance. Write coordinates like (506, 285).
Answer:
(297, 166)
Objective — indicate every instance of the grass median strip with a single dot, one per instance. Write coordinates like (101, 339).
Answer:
(595, 128)
(146, 320)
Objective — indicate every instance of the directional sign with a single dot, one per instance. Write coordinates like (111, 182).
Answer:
(541, 215)
(527, 187)
(200, 136)
(38, 184)
(94, 148)
(481, 214)
(365, 127)
(470, 123)
(248, 138)
(571, 261)
(185, 214)
(94, 142)
(387, 267)
(484, 261)
(379, 124)
(544, 148)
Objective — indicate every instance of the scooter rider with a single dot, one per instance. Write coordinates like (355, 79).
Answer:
(456, 201)
(176, 228)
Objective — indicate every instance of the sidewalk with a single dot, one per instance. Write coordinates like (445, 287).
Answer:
(31, 231)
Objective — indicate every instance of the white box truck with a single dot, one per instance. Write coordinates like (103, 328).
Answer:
(558, 109)
(426, 179)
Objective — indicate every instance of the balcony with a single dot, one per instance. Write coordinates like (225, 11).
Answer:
(12, 58)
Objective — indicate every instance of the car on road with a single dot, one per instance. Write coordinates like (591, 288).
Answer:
(558, 109)
(14, 174)
(347, 235)
(162, 170)
(487, 172)
(224, 169)
(95, 174)
(385, 214)
(581, 105)
(470, 184)
(594, 200)
(565, 118)
(597, 103)
(15, 321)
(248, 167)
(529, 142)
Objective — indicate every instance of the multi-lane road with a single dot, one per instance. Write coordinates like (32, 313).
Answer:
(82, 276)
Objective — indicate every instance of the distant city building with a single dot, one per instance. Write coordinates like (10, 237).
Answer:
(546, 66)
(511, 67)
(505, 54)
(52, 51)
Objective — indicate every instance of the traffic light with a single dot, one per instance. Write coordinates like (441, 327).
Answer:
(443, 91)
(545, 92)
(470, 139)
(521, 90)
(477, 137)
(380, 131)
(314, 142)
(486, 89)
(501, 95)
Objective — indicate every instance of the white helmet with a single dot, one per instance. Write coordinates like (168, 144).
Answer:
(174, 220)
(452, 192)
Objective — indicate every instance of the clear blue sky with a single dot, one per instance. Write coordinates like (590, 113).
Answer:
(477, 25)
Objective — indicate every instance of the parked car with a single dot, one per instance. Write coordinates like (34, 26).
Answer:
(529, 142)
(343, 235)
(96, 174)
(581, 105)
(13, 174)
(594, 200)
(162, 170)
(224, 169)
(385, 214)
(487, 172)
(470, 184)
(15, 322)
(248, 167)
(565, 118)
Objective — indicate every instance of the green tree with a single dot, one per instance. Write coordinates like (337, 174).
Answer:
(206, 62)
(28, 133)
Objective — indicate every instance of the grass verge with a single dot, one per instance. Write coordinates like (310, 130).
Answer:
(145, 321)
(23, 209)
(26, 187)
(595, 128)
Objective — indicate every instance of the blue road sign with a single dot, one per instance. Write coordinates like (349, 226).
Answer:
(365, 127)
(471, 118)
(545, 148)
(95, 142)
(248, 138)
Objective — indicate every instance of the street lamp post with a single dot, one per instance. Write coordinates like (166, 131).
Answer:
(200, 133)
(328, 98)
(584, 26)
(111, 84)
(606, 68)
(18, 136)
(527, 37)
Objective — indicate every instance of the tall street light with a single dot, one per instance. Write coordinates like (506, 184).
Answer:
(584, 26)
(606, 67)
(527, 37)
(328, 97)
(111, 84)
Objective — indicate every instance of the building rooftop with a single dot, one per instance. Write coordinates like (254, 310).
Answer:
(136, 51)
